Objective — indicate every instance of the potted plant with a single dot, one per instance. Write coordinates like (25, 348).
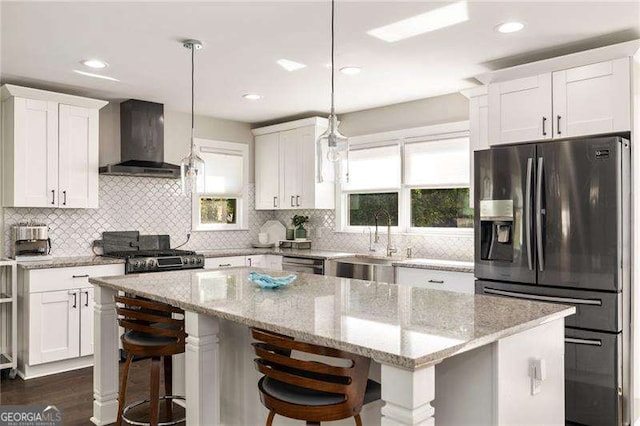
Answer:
(298, 222)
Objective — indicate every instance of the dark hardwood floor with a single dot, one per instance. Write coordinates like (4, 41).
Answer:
(72, 392)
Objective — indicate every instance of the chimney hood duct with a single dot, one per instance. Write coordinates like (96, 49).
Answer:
(142, 142)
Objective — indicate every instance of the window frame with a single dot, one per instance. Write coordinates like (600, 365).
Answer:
(242, 198)
(401, 137)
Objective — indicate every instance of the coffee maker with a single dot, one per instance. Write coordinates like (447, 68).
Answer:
(30, 241)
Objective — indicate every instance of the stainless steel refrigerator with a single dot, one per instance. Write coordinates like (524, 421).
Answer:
(552, 224)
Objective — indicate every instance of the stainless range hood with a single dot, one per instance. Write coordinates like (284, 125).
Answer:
(142, 142)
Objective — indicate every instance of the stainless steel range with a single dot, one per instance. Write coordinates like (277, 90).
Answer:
(148, 253)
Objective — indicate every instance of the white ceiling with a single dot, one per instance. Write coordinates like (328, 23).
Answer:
(42, 42)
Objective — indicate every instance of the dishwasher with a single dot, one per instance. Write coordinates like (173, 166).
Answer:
(303, 264)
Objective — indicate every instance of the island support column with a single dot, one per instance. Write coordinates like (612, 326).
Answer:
(407, 396)
(202, 370)
(105, 368)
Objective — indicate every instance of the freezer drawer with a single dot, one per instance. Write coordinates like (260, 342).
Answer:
(593, 377)
(594, 310)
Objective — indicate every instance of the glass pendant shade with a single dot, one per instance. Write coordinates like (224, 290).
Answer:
(192, 173)
(333, 154)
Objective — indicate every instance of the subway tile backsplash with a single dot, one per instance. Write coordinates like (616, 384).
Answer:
(156, 206)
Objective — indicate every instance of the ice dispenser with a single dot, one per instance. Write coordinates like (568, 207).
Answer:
(497, 228)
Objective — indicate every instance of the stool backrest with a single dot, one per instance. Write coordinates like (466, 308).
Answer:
(148, 316)
(275, 361)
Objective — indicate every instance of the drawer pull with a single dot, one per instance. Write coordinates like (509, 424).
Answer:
(80, 276)
(436, 281)
(224, 264)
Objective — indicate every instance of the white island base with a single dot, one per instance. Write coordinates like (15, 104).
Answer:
(493, 384)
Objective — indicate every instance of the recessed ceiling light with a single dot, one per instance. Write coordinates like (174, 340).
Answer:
(290, 65)
(90, 74)
(510, 27)
(94, 63)
(252, 96)
(430, 21)
(350, 70)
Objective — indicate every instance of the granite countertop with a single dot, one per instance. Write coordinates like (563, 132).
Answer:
(437, 264)
(404, 326)
(66, 262)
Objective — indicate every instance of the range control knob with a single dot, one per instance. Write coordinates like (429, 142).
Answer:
(136, 264)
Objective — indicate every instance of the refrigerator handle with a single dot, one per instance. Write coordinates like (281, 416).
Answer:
(588, 342)
(539, 241)
(527, 213)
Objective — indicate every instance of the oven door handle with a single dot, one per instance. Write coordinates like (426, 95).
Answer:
(589, 342)
(541, 298)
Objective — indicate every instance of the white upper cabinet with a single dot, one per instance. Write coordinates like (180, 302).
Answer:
(267, 171)
(50, 149)
(592, 99)
(582, 101)
(520, 110)
(78, 157)
(285, 167)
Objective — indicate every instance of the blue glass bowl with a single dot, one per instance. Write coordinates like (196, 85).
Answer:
(268, 282)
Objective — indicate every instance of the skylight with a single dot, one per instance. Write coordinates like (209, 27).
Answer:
(290, 65)
(435, 19)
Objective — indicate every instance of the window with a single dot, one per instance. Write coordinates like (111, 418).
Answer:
(420, 176)
(437, 178)
(374, 184)
(223, 204)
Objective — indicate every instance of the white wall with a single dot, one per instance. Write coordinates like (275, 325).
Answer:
(423, 112)
(177, 134)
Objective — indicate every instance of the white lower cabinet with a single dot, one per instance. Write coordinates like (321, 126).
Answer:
(460, 282)
(268, 261)
(56, 318)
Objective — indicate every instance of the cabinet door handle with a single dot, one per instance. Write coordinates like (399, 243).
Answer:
(249, 261)
(436, 281)
(297, 200)
(75, 298)
(558, 125)
(64, 198)
(275, 201)
(544, 126)
(292, 202)
(87, 302)
(80, 276)
(53, 196)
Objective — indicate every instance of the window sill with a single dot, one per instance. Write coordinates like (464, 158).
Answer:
(219, 228)
(452, 232)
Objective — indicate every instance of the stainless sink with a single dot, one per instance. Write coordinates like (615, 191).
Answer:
(367, 268)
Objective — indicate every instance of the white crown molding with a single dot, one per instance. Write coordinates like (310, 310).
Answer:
(601, 54)
(11, 90)
(290, 125)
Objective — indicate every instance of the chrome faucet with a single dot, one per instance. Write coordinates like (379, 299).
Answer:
(371, 248)
(390, 248)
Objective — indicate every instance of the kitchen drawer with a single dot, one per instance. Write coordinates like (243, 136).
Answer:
(224, 262)
(460, 282)
(54, 279)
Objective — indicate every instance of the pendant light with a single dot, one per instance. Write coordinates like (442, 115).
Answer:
(192, 166)
(332, 146)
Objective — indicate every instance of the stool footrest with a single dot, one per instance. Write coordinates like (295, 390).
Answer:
(138, 403)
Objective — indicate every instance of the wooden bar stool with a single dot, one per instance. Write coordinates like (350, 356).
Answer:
(150, 331)
(312, 391)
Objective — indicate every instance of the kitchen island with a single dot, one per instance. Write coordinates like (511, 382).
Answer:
(471, 357)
